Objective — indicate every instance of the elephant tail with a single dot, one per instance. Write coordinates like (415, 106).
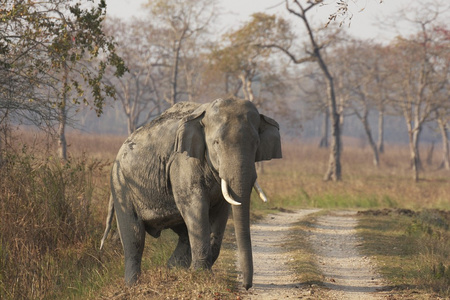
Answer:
(108, 221)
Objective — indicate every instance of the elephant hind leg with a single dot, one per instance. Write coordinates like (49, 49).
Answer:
(181, 256)
(132, 235)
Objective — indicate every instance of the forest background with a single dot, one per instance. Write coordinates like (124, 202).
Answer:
(374, 95)
(379, 105)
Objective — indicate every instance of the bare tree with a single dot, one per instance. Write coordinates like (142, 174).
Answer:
(310, 83)
(441, 74)
(300, 10)
(182, 23)
(417, 81)
(443, 120)
(356, 64)
(140, 89)
(242, 59)
(381, 76)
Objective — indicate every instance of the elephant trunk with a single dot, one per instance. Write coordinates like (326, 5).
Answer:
(238, 180)
(241, 217)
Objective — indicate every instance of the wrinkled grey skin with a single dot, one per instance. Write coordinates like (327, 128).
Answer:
(168, 173)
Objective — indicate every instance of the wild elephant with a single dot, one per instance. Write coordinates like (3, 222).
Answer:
(182, 171)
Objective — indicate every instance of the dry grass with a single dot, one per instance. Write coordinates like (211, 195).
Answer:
(304, 261)
(52, 215)
(296, 180)
(159, 282)
(48, 236)
(412, 249)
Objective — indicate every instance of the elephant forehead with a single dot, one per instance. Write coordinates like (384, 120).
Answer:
(237, 110)
(233, 104)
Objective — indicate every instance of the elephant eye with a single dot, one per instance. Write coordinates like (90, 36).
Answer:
(216, 142)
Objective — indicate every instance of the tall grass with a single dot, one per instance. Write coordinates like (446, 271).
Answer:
(52, 218)
(48, 235)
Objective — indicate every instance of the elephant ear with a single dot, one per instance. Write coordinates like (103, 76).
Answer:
(190, 135)
(270, 141)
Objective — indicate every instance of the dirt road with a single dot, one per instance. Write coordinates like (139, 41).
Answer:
(347, 273)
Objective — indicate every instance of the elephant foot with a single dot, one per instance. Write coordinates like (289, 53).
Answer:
(179, 261)
(201, 265)
(181, 256)
(131, 275)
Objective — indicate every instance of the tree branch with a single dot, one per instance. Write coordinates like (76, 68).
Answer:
(288, 53)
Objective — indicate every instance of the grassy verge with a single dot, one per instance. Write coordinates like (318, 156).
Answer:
(48, 236)
(411, 248)
(159, 282)
(304, 261)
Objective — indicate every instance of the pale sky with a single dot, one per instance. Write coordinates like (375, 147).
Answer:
(363, 23)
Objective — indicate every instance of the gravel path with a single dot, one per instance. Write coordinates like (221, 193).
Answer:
(272, 278)
(348, 274)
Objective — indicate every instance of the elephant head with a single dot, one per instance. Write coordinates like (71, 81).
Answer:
(231, 135)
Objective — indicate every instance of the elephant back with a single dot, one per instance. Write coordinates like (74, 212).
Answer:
(175, 113)
(144, 156)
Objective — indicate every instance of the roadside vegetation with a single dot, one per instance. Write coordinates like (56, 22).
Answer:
(52, 218)
(411, 248)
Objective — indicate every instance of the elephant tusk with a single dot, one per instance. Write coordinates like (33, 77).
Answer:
(226, 195)
(260, 192)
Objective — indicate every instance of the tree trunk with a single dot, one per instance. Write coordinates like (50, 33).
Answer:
(380, 144)
(325, 125)
(62, 143)
(4, 134)
(174, 83)
(445, 148)
(414, 153)
(251, 96)
(226, 83)
(247, 89)
(334, 163)
(3, 128)
(376, 159)
(131, 126)
(1, 148)
(430, 153)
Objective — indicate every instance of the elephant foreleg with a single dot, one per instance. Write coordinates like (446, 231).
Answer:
(181, 257)
(219, 218)
(197, 223)
(193, 204)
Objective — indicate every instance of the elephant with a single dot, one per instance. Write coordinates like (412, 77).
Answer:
(183, 171)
